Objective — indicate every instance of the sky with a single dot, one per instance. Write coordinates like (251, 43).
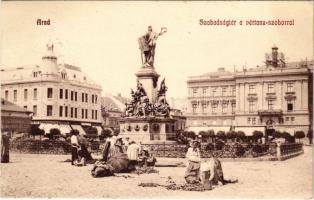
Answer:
(101, 37)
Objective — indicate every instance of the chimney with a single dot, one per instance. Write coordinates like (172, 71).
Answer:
(274, 54)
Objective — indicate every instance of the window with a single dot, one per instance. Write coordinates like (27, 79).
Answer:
(270, 88)
(35, 74)
(49, 110)
(82, 113)
(95, 99)
(71, 95)
(71, 115)
(75, 112)
(287, 119)
(15, 95)
(66, 111)
(224, 91)
(214, 91)
(290, 87)
(204, 107)
(251, 89)
(25, 94)
(249, 120)
(83, 95)
(233, 91)
(233, 106)
(61, 93)
(60, 111)
(35, 94)
(35, 110)
(25, 107)
(86, 114)
(92, 98)
(251, 106)
(63, 75)
(66, 93)
(96, 114)
(292, 119)
(270, 104)
(49, 92)
(194, 107)
(75, 96)
(289, 106)
(194, 91)
(6, 95)
(214, 108)
(224, 107)
(86, 98)
(92, 114)
(253, 120)
(204, 91)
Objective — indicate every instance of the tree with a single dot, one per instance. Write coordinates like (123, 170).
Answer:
(240, 135)
(277, 134)
(53, 132)
(105, 134)
(310, 136)
(231, 135)
(257, 135)
(211, 134)
(205, 135)
(35, 130)
(221, 135)
(91, 131)
(191, 134)
(299, 135)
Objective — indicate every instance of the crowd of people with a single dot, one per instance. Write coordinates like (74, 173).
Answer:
(122, 155)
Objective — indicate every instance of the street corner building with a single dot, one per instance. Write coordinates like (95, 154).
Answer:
(274, 97)
(59, 95)
(14, 119)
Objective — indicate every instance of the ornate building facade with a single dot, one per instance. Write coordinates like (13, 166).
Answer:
(277, 96)
(59, 95)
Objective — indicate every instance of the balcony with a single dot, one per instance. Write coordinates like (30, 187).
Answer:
(290, 96)
(252, 97)
(269, 112)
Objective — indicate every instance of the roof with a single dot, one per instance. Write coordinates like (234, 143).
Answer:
(113, 103)
(9, 106)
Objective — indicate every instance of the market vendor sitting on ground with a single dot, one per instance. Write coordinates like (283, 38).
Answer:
(193, 156)
(208, 172)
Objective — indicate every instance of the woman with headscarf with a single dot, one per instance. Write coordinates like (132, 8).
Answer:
(193, 155)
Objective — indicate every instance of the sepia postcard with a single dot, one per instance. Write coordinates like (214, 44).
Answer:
(156, 99)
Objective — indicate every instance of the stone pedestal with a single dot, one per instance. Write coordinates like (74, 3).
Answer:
(148, 130)
(149, 79)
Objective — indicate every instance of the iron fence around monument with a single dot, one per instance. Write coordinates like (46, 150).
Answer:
(228, 150)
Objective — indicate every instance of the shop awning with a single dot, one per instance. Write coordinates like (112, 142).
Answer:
(79, 128)
(291, 131)
(47, 127)
(219, 128)
(64, 129)
(99, 129)
(216, 129)
(249, 130)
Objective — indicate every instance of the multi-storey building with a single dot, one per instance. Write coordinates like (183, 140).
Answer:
(276, 96)
(60, 95)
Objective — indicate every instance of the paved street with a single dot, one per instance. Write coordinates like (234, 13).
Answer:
(48, 176)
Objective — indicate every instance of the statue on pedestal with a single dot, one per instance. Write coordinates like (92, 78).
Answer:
(147, 44)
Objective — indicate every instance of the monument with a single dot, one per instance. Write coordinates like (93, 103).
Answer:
(147, 117)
